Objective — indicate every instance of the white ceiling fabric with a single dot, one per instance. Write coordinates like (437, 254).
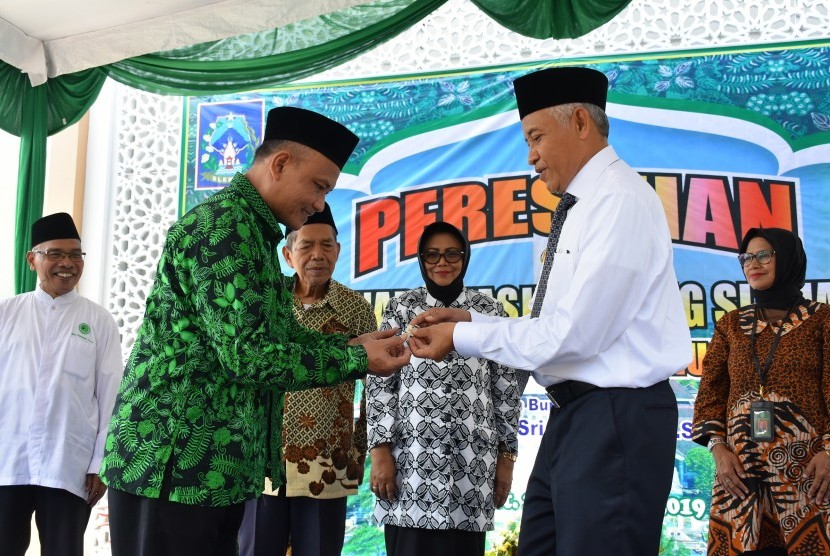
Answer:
(47, 38)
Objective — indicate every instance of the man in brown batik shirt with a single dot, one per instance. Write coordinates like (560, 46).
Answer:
(304, 502)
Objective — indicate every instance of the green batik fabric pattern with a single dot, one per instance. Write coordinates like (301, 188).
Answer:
(218, 334)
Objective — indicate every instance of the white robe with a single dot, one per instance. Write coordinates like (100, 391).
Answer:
(60, 367)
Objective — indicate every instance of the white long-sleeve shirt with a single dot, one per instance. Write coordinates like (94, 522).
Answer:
(60, 367)
(612, 315)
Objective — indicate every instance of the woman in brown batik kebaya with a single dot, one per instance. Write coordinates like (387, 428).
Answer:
(762, 409)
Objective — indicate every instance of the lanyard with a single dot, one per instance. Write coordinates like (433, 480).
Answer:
(762, 371)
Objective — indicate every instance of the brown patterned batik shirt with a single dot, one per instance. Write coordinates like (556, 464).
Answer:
(324, 449)
(777, 512)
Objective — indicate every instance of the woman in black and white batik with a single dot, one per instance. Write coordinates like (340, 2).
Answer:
(442, 434)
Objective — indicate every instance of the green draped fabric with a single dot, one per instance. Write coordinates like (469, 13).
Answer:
(67, 98)
(552, 19)
(269, 58)
(33, 113)
(30, 181)
(247, 62)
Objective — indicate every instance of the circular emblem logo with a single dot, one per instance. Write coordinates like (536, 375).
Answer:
(84, 328)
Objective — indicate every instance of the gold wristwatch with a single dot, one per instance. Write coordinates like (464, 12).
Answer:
(509, 455)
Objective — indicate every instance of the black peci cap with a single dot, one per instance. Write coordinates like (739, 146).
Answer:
(55, 226)
(555, 86)
(324, 135)
(322, 217)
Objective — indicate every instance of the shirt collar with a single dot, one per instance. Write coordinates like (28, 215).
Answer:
(582, 186)
(334, 297)
(249, 192)
(64, 299)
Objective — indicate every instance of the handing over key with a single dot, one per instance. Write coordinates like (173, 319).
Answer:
(385, 351)
(432, 330)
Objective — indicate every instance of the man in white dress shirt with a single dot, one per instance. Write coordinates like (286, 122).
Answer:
(610, 332)
(60, 366)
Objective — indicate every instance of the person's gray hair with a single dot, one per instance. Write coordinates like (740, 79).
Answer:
(563, 112)
(290, 239)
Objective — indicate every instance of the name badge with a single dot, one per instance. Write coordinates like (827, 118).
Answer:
(762, 420)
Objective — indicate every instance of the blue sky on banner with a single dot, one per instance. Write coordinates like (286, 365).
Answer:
(729, 139)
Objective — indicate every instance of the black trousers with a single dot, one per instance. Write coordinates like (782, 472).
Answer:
(602, 475)
(61, 518)
(151, 527)
(315, 527)
(413, 541)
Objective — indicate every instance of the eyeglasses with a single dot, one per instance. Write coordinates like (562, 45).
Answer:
(763, 257)
(56, 255)
(450, 255)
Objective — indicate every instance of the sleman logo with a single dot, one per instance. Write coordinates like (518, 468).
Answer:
(84, 328)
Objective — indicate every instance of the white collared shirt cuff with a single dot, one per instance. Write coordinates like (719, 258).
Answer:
(465, 339)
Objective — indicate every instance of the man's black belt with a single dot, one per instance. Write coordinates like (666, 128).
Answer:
(563, 393)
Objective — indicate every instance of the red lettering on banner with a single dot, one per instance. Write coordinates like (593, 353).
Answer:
(420, 210)
(465, 207)
(542, 198)
(511, 197)
(711, 211)
(377, 221)
(667, 188)
(708, 218)
(765, 203)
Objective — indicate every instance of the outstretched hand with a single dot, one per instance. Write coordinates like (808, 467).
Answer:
(432, 342)
(376, 335)
(385, 351)
(438, 315)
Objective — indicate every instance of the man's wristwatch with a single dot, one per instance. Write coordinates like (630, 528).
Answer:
(714, 441)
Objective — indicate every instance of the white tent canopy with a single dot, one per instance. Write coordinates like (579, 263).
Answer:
(47, 38)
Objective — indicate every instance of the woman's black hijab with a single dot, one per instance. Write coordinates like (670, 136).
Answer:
(790, 268)
(449, 293)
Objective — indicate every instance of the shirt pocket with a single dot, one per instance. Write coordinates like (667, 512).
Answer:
(565, 256)
(562, 272)
(79, 358)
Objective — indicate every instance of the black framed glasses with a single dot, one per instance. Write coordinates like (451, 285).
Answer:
(763, 257)
(450, 255)
(56, 255)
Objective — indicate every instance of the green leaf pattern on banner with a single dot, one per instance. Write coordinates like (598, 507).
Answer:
(786, 89)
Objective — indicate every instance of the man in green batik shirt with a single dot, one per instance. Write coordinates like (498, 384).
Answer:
(189, 440)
